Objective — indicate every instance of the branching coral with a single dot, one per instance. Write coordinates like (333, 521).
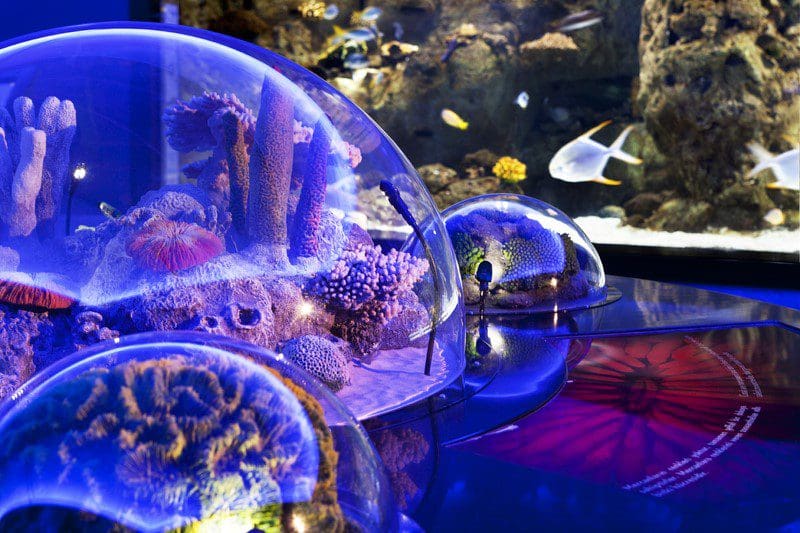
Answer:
(321, 358)
(180, 439)
(34, 155)
(366, 278)
(363, 288)
(307, 218)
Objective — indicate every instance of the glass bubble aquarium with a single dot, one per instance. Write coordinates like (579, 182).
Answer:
(186, 432)
(160, 178)
(520, 255)
(672, 125)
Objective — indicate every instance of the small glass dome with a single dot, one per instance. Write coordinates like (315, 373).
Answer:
(520, 255)
(157, 178)
(185, 430)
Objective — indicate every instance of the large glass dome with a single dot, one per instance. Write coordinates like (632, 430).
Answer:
(185, 430)
(517, 254)
(158, 178)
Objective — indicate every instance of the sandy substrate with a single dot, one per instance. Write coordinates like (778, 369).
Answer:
(395, 378)
(611, 231)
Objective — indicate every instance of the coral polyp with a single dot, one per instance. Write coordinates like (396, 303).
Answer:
(170, 246)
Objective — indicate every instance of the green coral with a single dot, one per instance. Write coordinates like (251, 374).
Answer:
(468, 253)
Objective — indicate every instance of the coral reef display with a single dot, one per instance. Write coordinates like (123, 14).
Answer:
(706, 92)
(190, 433)
(535, 258)
(251, 228)
(177, 440)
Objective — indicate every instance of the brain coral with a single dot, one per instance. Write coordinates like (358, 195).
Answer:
(180, 440)
(321, 358)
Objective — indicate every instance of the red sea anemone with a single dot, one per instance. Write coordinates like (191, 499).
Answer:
(24, 293)
(169, 246)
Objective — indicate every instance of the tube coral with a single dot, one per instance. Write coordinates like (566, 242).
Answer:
(308, 215)
(234, 133)
(34, 155)
(57, 119)
(27, 182)
(271, 168)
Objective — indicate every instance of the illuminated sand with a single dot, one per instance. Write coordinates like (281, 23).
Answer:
(393, 379)
(611, 231)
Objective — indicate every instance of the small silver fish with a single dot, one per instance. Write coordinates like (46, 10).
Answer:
(785, 166)
(398, 30)
(775, 217)
(583, 159)
(577, 21)
(109, 210)
(331, 12)
(522, 100)
(560, 115)
(356, 61)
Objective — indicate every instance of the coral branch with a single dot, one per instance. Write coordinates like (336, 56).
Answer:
(20, 215)
(271, 168)
(58, 121)
(234, 132)
(312, 196)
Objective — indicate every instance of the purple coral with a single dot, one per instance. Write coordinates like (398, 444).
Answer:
(365, 275)
(189, 125)
(34, 156)
(321, 358)
(271, 168)
(308, 215)
(234, 142)
(20, 212)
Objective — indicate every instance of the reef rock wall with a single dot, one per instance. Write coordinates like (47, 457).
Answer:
(714, 77)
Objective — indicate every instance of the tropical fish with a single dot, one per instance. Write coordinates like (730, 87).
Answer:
(785, 166)
(109, 210)
(522, 99)
(577, 21)
(451, 118)
(584, 159)
(331, 12)
(775, 217)
(356, 61)
(398, 30)
(359, 35)
(366, 16)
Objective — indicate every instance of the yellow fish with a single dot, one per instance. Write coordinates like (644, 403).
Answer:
(451, 118)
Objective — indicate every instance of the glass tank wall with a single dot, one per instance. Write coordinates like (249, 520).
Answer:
(157, 178)
(664, 123)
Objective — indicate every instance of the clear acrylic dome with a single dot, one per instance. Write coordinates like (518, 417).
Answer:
(185, 430)
(530, 256)
(158, 178)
